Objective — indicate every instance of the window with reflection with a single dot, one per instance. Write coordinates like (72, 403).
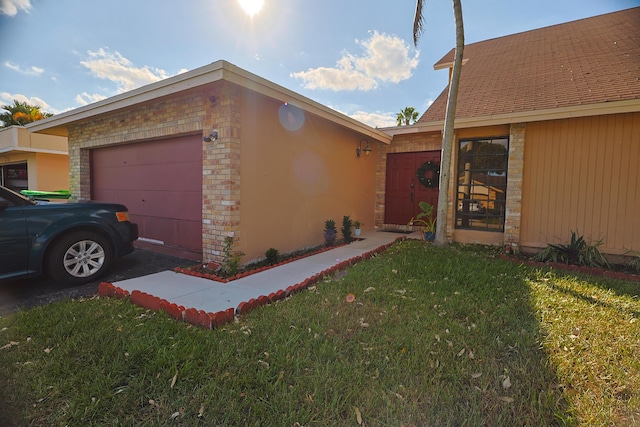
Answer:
(482, 183)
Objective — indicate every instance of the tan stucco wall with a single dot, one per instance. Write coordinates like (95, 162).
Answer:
(294, 180)
(51, 172)
(17, 138)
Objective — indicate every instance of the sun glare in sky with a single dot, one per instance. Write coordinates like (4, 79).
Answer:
(251, 6)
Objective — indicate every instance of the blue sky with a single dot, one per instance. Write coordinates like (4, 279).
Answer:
(354, 56)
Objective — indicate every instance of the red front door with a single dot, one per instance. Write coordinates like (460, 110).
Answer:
(404, 191)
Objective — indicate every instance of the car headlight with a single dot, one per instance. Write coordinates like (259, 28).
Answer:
(122, 216)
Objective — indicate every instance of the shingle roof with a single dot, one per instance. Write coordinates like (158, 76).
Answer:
(590, 61)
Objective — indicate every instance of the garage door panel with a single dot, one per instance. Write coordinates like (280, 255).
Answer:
(151, 177)
(180, 233)
(161, 184)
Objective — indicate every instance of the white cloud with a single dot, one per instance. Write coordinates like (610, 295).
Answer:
(112, 66)
(385, 59)
(378, 119)
(31, 71)
(84, 98)
(375, 119)
(7, 99)
(11, 7)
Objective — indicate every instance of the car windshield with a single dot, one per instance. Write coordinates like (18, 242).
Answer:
(25, 198)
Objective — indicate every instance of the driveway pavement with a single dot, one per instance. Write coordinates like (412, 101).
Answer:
(151, 273)
(29, 293)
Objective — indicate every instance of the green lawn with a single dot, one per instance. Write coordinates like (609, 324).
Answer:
(435, 337)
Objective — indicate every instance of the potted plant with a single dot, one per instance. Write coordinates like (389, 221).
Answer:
(425, 220)
(346, 229)
(356, 228)
(330, 232)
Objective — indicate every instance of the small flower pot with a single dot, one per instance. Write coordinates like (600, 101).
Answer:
(429, 236)
(357, 231)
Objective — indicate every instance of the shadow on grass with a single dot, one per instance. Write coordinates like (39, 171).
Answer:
(432, 337)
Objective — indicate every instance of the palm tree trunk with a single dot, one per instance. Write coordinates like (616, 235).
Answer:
(448, 135)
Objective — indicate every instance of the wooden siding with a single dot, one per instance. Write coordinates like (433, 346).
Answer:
(583, 175)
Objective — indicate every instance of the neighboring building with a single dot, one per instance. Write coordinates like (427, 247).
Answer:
(281, 164)
(547, 138)
(30, 161)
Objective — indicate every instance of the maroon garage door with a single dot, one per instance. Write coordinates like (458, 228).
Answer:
(161, 184)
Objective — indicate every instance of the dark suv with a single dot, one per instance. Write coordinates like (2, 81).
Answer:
(72, 242)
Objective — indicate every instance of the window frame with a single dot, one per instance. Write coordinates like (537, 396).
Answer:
(481, 189)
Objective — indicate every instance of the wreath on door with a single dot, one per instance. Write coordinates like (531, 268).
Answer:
(431, 180)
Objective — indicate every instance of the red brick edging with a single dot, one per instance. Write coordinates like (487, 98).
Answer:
(212, 320)
(581, 269)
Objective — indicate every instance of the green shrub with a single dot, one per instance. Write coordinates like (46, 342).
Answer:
(272, 255)
(577, 252)
(330, 232)
(634, 264)
(346, 229)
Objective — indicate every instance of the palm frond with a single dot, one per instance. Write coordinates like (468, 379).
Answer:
(418, 22)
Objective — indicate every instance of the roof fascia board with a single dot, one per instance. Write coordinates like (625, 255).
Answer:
(220, 70)
(32, 150)
(198, 77)
(615, 107)
(445, 65)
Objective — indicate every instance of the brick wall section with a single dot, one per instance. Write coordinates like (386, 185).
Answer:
(216, 107)
(406, 144)
(221, 173)
(514, 184)
(164, 118)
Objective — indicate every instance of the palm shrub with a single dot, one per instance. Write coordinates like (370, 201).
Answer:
(231, 259)
(272, 256)
(346, 229)
(634, 264)
(577, 252)
(330, 232)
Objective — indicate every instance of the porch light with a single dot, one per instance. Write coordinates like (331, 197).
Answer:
(367, 150)
(213, 136)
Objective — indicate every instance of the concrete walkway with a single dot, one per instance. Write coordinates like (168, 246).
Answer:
(210, 296)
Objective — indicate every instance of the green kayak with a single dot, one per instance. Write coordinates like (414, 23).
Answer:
(58, 194)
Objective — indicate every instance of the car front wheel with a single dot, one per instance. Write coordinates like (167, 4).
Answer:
(79, 258)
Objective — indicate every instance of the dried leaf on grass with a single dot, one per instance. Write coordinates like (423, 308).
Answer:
(175, 378)
(506, 399)
(506, 383)
(358, 415)
(11, 344)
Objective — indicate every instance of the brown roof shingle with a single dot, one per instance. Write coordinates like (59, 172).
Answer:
(589, 61)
